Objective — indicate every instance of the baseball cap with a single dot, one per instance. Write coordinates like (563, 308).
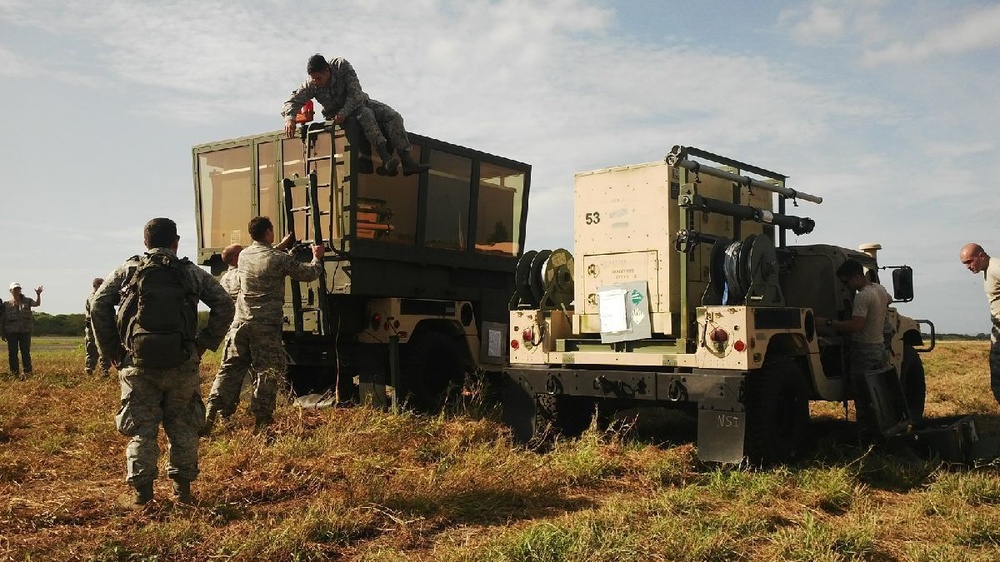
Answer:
(14, 285)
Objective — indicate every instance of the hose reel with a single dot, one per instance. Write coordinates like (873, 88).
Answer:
(744, 272)
(544, 280)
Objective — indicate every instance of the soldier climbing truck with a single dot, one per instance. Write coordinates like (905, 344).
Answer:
(419, 269)
(683, 293)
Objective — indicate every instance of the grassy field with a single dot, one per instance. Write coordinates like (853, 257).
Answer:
(360, 484)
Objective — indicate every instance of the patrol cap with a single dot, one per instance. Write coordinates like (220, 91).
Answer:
(14, 285)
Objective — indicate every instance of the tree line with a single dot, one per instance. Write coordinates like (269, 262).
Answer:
(72, 324)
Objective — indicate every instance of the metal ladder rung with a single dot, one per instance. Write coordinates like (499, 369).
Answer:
(318, 158)
(308, 211)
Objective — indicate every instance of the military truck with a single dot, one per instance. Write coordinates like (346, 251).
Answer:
(683, 292)
(418, 269)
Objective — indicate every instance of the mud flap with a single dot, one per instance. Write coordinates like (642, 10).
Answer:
(885, 403)
(518, 409)
(373, 375)
(721, 431)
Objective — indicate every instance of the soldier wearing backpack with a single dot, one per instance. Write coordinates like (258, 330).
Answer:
(156, 346)
(254, 339)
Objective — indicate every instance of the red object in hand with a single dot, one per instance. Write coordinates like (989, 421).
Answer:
(305, 114)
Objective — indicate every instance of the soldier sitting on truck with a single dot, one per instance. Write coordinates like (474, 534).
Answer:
(336, 86)
(868, 352)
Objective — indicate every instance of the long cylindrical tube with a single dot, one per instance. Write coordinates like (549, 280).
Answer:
(679, 157)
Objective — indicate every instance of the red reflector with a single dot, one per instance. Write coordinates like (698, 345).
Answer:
(514, 344)
(527, 335)
(739, 345)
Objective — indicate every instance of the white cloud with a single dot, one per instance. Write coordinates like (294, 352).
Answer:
(11, 65)
(816, 23)
(977, 30)
(951, 150)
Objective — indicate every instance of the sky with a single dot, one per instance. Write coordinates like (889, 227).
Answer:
(888, 109)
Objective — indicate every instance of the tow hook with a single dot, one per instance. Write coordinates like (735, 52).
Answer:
(676, 391)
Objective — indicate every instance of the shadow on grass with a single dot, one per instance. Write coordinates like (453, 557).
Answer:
(904, 464)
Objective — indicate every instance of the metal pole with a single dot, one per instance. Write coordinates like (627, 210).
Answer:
(679, 157)
(394, 374)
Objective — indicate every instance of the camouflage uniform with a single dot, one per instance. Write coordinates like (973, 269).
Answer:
(343, 96)
(254, 339)
(90, 343)
(18, 321)
(151, 396)
(230, 281)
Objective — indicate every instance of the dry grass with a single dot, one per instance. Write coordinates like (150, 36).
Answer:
(359, 484)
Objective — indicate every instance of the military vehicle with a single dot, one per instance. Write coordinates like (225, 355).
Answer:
(419, 269)
(682, 292)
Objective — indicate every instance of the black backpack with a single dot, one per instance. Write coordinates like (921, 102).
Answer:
(158, 315)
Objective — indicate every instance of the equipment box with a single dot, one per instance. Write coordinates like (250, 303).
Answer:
(952, 439)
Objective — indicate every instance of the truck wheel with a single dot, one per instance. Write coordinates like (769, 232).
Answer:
(433, 370)
(777, 412)
(558, 415)
(913, 383)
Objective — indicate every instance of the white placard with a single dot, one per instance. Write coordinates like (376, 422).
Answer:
(611, 303)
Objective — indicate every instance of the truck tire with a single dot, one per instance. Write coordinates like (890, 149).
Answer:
(777, 412)
(913, 383)
(559, 415)
(433, 370)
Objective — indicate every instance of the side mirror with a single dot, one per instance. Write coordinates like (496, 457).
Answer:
(902, 284)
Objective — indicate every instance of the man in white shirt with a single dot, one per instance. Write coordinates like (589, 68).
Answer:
(976, 260)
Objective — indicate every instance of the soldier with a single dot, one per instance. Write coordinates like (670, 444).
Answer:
(868, 351)
(976, 260)
(157, 351)
(230, 280)
(336, 86)
(90, 343)
(18, 321)
(254, 339)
